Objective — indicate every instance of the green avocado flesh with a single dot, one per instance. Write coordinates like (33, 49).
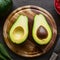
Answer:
(45, 30)
(19, 30)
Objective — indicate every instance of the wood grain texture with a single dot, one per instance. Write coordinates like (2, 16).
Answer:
(29, 48)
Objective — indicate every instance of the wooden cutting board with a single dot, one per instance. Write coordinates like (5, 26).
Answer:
(29, 48)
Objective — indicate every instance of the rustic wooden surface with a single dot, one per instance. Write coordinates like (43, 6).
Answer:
(29, 48)
(49, 6)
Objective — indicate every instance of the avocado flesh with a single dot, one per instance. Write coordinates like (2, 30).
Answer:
(39, 20)
(19, 30)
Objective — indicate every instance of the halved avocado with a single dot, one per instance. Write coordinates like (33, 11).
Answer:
(19, 30)
(42, 32)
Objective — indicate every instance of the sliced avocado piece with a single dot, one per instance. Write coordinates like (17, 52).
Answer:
(42, 32)
(19, 30)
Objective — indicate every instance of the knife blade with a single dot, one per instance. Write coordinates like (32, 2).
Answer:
(56, 50)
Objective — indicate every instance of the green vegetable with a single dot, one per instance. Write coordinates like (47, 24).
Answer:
(19, 31)
(2, 57)
(42, 32)
(4, 52)
(5, 6)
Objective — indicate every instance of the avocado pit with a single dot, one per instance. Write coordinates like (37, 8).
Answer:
(42, 33)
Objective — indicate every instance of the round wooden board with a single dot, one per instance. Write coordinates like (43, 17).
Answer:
(29, 48)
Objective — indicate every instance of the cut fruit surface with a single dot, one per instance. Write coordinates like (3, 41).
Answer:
(19, 31)
(42, 32)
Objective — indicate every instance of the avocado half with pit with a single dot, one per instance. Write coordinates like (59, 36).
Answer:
(19, 30)
(42, 32)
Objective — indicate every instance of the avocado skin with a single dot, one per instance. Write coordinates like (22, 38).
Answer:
(34, 31)
(5, 6)
(22, 41)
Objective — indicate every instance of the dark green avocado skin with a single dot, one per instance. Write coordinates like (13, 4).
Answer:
(5, 6)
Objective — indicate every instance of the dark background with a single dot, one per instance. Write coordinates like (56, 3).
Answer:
(46, 4)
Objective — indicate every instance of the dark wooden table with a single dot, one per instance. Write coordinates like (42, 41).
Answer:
(46, 4)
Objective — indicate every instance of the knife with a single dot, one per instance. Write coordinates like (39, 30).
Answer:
(56, 50)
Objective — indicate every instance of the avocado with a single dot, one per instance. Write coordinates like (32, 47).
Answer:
(41, 32)
(19, 30)
(5, 7)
